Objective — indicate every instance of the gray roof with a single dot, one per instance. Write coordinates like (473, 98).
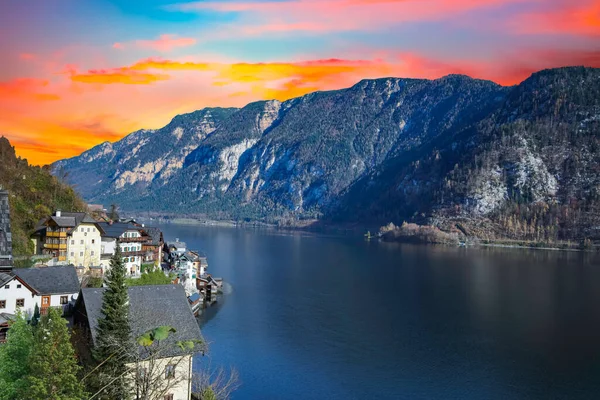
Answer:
(154, 233)
(67, 222)
(5, 278)
(6, 318)
(178, 245)
(116, 229)
(149, 308)
(50, 280)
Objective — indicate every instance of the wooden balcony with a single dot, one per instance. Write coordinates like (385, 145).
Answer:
(134, 239)
(55, 246)
(56, 234)
(133, 253)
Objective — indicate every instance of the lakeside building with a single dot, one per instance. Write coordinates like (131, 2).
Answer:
(149, 308)
(139, 245)
(46, 287)
(69, 238)
(5, 232)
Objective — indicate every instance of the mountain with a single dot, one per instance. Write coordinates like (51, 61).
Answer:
(33, 193)
(450, 151)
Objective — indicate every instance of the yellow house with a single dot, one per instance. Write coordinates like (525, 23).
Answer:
(69, 238)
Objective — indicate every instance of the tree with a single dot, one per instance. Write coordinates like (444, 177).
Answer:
(113, 334)
(214, 384)
(114, 215)
(36, 315)
(52, 362)
(14, 359)
(152, 277)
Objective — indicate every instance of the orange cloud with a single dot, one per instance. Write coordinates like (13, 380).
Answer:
(118, 45)
(27, 56)
(26, 88)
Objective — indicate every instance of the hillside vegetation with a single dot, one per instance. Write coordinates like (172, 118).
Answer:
(33, 194)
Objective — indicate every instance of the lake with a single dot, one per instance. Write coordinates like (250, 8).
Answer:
(334, 317)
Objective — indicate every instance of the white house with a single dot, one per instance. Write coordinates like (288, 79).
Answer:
(46, 286)
(131, 242)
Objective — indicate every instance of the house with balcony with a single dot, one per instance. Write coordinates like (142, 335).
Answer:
(133, 241)
(46, 287)
(69, 238)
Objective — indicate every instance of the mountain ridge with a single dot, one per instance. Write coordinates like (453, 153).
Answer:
(333, 155)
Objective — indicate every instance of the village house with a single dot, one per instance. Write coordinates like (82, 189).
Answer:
(46, 287)
(149, 308)
(130, 239)
(69, 238)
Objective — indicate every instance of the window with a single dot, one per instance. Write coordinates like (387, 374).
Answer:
(88, 229)
(170, 371)
(45, 301)
(6, 286)
(81, 254)
(81, 242)
(19, 286)
(93, 241)
(2, 304)
(72, 242)
(72, 254)
(168, 397)
(64, 300)
(20, 302)
(92, 253)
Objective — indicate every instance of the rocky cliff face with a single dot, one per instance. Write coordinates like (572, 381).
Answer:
(382, 149)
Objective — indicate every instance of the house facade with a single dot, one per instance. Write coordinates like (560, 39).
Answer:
(136, 244)
(69, 238)
(46, 287)
(149, 308)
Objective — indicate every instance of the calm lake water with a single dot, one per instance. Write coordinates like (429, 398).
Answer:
(323, 317)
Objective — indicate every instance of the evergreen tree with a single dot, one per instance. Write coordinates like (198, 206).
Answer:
(14, 359)
(113, 334)
(36, 315)
(52, 362)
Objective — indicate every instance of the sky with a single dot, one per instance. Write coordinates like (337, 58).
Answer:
(77, 73)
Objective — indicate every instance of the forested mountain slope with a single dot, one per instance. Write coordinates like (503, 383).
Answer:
(517, 159)
(33, 193)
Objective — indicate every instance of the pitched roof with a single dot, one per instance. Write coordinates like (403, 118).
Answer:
(178, 245)
(6, 318)
(116, 229)
(149, 308)
(67, 222)
(154, 233)
(50, 280)
(5, 278)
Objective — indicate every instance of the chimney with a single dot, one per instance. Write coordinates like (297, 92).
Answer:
(57, 213)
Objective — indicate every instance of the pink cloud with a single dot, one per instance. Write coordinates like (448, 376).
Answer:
(166, 42)
(27, 56)
(118, 45)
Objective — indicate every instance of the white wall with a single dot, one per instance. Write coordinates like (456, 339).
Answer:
(183, 374)
(84, 245)
(13, 293)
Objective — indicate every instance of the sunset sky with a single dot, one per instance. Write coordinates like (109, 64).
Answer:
(75, 73)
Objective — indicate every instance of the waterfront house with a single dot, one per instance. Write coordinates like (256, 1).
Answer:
(131, 240)
(149, 308)
(153, 247)
(209, 287)
(46, 287)
(69, 238)
(177, 248)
